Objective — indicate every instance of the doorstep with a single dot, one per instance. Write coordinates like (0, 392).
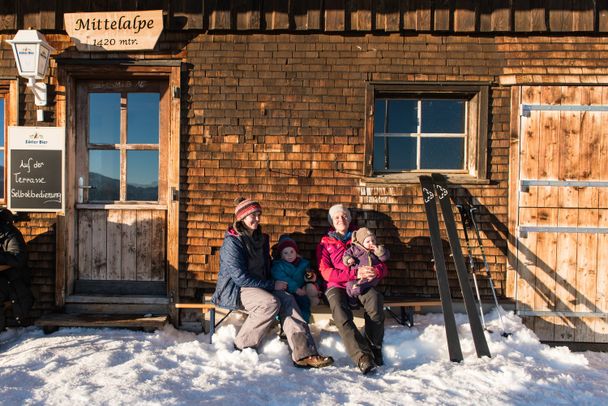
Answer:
(51, 322)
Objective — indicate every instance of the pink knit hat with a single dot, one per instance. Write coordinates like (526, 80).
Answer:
(285, 242)
(245, 207)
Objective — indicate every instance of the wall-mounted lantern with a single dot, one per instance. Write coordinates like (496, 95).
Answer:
(32, 54)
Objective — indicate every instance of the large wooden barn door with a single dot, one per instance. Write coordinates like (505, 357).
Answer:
(562, 212)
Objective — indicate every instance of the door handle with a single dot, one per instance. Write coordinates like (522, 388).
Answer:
(81, 188)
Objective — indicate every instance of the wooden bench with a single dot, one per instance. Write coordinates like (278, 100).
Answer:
(407, 307)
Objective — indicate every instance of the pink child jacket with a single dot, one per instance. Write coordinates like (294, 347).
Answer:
(329, 256)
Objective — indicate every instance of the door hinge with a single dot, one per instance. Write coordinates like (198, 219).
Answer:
(177, 92)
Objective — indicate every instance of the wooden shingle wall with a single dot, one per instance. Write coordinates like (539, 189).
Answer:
(269, 117)
(461, 16)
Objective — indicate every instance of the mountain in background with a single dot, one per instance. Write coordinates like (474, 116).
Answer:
(107, 188)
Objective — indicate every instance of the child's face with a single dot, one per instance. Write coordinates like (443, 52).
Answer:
(369, 241)
(288, 254)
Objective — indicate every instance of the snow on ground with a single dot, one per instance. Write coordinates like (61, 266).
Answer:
(79, 366)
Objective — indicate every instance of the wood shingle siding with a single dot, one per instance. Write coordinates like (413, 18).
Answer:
(333, 16)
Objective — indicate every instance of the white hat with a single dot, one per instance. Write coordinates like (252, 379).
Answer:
(336, 208)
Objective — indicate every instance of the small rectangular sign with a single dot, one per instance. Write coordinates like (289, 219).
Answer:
(114, 31)
(36, 158)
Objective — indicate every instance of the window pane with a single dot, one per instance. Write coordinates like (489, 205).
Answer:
(104, 118)
(401, 153)
(379, 114)
(442, 153)
(142, 175)
(443, 116)
(2, 124)
(402, 116)
(379, 153)
(142, 118)
(104, 175)
(1, 174)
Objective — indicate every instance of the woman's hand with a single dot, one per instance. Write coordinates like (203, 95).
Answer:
(280, 285)
(300, 292)
(366, 273)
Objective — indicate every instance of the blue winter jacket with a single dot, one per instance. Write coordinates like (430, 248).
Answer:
(290, 273)
(234, 272)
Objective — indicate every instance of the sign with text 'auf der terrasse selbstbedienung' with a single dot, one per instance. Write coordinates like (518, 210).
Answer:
(115, 31)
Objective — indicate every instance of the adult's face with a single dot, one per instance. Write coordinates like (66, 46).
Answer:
(340, 222)
(252, 221)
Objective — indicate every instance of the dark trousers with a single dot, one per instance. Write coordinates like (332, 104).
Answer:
(373, 304)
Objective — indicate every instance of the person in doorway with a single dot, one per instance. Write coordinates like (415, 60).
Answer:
(365, 350)
(14, 272)
(244, 282)
(293, 269)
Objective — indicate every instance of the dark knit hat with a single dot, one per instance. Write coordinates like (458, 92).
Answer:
(245, 207)
(284, 242)
(362, 233)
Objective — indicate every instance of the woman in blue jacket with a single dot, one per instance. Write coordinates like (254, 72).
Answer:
(244, 282)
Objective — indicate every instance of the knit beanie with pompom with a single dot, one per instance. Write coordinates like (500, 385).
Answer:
(245, 207)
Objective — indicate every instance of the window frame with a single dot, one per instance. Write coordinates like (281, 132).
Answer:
(476, 118)
(145, 85)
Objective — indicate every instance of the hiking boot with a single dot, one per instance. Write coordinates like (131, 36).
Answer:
(378, 358)
(314, 361)
(366, 364)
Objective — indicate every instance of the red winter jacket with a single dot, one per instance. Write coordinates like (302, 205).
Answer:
(329, 256)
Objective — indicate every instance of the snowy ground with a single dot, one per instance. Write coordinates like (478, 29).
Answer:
(171, 367)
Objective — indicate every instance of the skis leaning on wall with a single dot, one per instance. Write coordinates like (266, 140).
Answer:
(441, 192)
(430, 207)
(475, 244)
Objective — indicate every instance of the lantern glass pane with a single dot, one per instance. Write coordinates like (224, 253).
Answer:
(26, 58)
(43, 61)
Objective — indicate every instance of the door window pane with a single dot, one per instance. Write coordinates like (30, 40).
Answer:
(443, 116)
(104, 118)
(143, 118)
(402, 116)
(142, 175)
(442, 153)
(1, 174)
(401, 153)
(104, 175)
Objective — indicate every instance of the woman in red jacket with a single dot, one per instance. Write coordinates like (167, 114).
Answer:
(364, 350)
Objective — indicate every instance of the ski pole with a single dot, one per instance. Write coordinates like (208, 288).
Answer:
(472, 210)
(463, 218)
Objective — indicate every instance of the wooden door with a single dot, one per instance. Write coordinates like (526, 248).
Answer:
(562, 212)
(122, 198)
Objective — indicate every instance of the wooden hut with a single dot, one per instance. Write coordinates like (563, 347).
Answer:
(304, 104)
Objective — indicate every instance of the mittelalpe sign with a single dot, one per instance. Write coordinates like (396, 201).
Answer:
(114, 31)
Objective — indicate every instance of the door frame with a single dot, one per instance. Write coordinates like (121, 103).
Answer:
(69, 73)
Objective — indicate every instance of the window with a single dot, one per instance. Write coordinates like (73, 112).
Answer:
(413, 129)
(123, 145)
